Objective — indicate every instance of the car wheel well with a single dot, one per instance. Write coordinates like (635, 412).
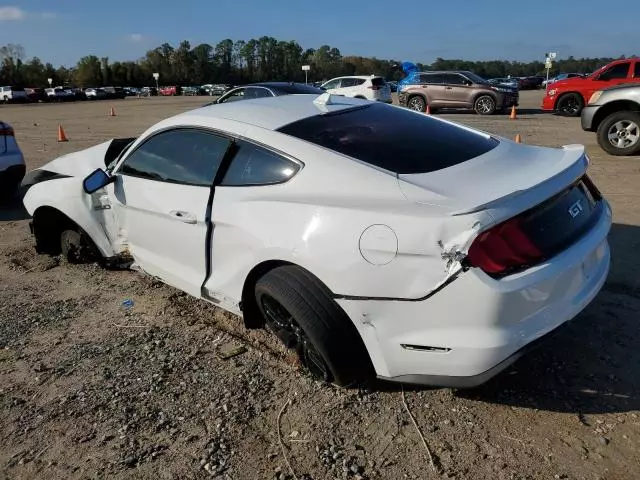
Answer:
(48, 225)
(564, 94)
(612, 107)
(250, 311)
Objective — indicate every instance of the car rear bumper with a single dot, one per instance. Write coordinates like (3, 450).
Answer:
(477, 326)
(586, 117)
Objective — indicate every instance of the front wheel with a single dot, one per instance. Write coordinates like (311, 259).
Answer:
(619, 133)
(484, 105)
(570, 105)
(77, 247)
(299, 309)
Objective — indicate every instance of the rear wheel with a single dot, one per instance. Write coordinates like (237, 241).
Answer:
(570, 105)
(619, 133)
(484, 105)
(300, 311)
(417, 103)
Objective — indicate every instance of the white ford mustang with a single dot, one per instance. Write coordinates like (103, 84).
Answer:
(375, 241)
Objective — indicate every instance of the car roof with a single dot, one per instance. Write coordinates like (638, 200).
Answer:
(364, 77)
(270, 113)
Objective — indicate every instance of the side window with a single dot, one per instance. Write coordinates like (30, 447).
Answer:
(636, 70)
(256, 92)
(332, 84)
(434, 79)
(453, 79)
(254, 165)
(185, 156)
(618, 71)
(233, 96)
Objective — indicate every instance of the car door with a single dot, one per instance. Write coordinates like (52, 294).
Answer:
(457, 90)
(161, 196)
(333, 86)
(433, 86)
(243, 217)
(614, 75)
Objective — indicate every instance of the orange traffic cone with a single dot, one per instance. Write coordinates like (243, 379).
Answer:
(428, 112)
(112, 112)
(513, 113)
(61, 136)
(518, 138)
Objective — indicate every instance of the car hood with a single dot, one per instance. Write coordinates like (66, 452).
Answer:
(510, 172)
(80, 163)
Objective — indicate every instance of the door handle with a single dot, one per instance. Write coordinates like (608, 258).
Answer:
(185, 217)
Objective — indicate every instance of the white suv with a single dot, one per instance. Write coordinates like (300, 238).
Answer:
(369, 87)
(13, 94)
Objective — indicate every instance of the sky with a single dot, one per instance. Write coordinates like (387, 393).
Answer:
(61, 32)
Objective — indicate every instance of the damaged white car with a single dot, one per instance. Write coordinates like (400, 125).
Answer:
(373, 240)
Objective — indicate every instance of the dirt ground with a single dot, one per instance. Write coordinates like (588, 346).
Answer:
(90, 388)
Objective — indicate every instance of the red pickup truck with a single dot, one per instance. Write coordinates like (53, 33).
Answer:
(568, 97)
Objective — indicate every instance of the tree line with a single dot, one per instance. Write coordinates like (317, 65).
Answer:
(236, 62)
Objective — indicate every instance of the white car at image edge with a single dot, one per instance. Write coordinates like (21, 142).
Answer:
(366, 87)
(12, 166)
(373, 240)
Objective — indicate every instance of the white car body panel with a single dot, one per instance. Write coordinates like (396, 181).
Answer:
(388, 246)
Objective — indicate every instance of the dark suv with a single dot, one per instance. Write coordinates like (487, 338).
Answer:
(456, 90)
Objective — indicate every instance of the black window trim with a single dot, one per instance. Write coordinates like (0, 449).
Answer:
(233, 138)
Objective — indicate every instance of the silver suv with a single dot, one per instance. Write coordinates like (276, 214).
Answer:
(614, 113)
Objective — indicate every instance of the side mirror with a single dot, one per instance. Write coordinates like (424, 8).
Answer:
(96, 180)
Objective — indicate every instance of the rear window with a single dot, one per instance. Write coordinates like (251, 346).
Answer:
(378, 82)
(392, 138)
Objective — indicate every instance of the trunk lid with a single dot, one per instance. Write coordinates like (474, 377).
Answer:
(513, 174)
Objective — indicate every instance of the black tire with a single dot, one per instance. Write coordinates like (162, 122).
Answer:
(570, 105)
(619, 133)
(77, 247)
(300, 310)
(484, 105)
(417, 103)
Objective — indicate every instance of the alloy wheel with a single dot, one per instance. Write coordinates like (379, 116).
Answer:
(623, 134)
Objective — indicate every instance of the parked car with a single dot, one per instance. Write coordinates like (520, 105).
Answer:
(13, 94)
(171, 91)
(460, 89)
(115, 92)
(368, 87)
(12, 166)
(569, 96)
(614, 114)
(219, 89)
(307, 215)
(95, 93)
(148, 92)
(36, 95)
(130, 91)
(194, 91)
(266, 89)
(59, 94)
(562, 76)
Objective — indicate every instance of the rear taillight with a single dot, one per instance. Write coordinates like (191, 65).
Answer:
(503, 248)
(6, 131)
